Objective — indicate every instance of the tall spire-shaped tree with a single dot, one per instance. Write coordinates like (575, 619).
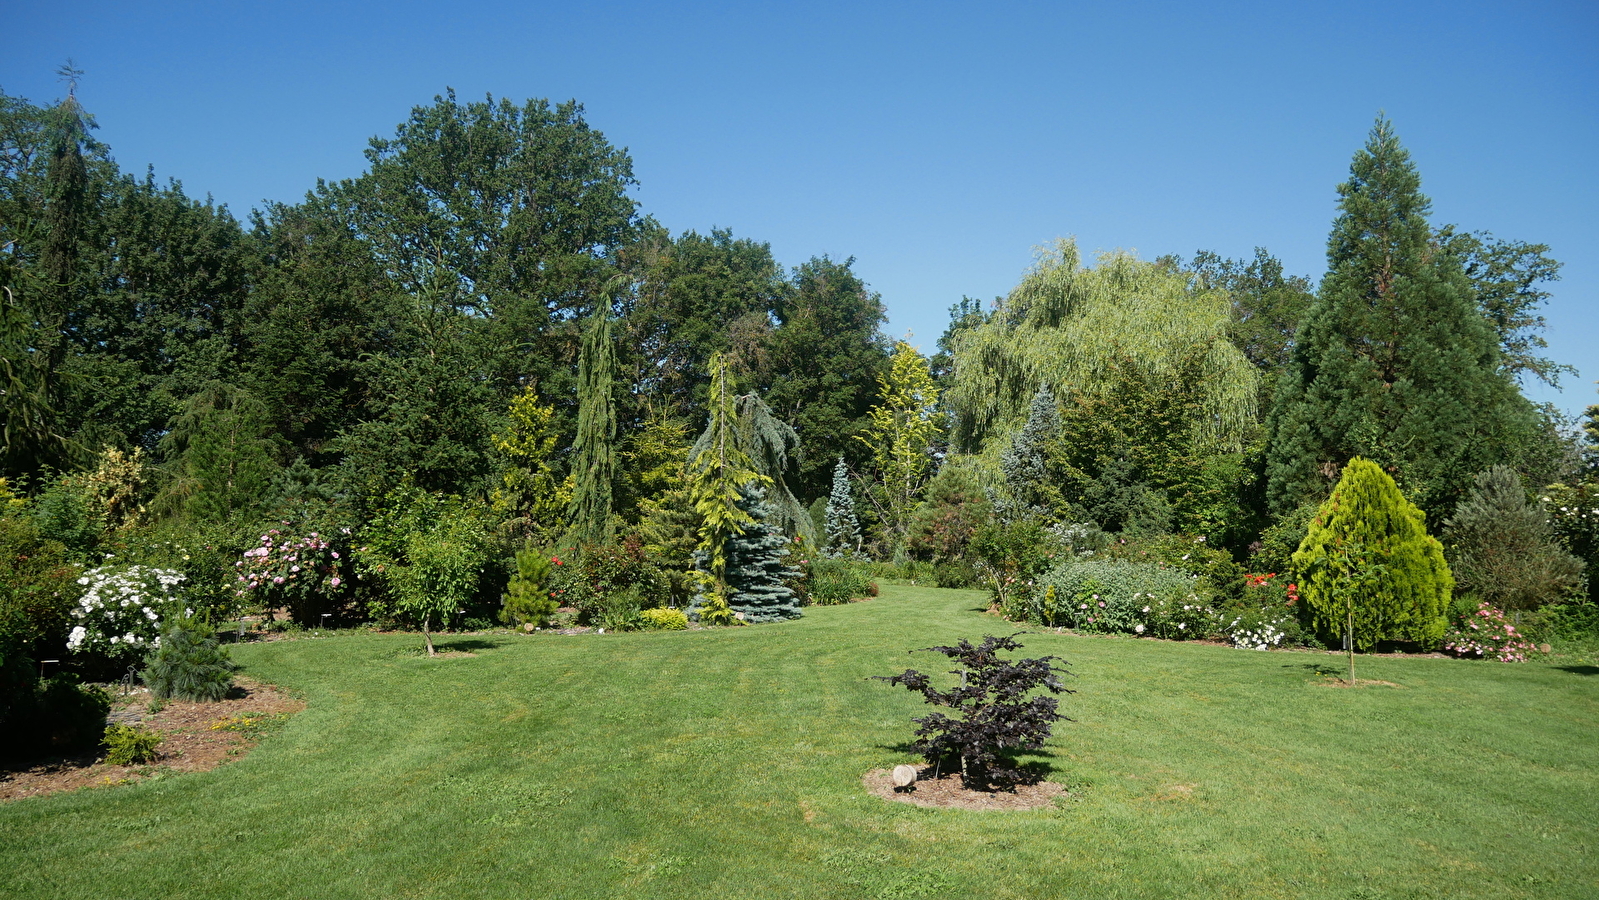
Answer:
(1394, 361)
(594, 451)
(843, 529)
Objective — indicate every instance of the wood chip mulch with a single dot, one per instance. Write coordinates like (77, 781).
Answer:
(197, 737)
(947, 792)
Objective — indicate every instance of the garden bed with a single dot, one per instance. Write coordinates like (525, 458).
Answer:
(196, 737)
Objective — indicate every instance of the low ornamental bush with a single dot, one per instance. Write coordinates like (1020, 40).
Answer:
(130, 745)
(835, 581)
(998, 715)
(120, 613)
(1485, 633)
(189, 665)
(663, 619)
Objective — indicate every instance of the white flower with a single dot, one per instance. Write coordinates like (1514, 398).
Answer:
(76, 638)
(1139, 629)
(1182, 624)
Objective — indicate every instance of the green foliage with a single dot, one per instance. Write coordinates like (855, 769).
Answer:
(946, 521)
(1030, 483)
(1395, 361)
(430, 552)
(1574, 515)
(834, 581)
(1267, 308)
(53, 715)
(1274, 552)
(663, 619)
(594, 451)
(1502, 548)
(222, 447)
(308, 572)
(37, 578)
(1505, 278)
(188, 664)
(1009, 556)
(1368, 549)
(601, 579)
(130, 745)
(718, 469)
(528, 598)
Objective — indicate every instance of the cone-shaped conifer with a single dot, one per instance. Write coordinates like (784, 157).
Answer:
(756, 567)
(1370, 544)
(842, 527)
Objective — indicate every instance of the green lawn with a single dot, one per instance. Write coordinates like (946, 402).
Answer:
(727, 763)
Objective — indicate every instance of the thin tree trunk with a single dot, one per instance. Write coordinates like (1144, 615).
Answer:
(426, 636)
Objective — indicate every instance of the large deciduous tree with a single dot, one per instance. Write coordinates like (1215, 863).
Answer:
(1394, 362)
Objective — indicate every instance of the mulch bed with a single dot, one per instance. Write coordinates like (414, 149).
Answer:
(190, 742)
(947, 792)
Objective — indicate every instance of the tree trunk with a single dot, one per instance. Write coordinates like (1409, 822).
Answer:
(426, 636)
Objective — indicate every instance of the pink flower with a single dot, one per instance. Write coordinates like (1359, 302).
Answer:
(278, 580)
(335, 582)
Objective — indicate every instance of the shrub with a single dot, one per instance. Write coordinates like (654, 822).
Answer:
(130, 745)
(1368, 546)
(430, 552)
(663, 619)
(56, 715)
(619, 610)
(1106, 595)
(1574, 515)
(309, 574)
(528, 598)
(1503, 548)
(1008, 557)
(1260, 630)
(997, 718)
(120, 613)
(835, 581)
(586, 579)
(1485, 633)
(189, 665)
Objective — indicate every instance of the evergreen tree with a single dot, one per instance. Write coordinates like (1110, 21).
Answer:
(1394, 362)
(903, 426)
(222, 445)
(1025, 463)
(842, 527)
(1368, 565)
(594, 455)
(756, 570)
(774, 450)
(1503, 548)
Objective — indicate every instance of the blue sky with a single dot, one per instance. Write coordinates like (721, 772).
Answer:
(938, 144)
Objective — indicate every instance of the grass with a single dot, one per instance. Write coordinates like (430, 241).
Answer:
(727, 763)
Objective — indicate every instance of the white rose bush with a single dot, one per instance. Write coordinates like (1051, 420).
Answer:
(122, 609)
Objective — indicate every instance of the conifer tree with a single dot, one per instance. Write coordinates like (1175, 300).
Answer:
(1367, 564)
(1024, 464)
(756, 567)
(718, 469)
(1503, 549)
(594, 452)
(842, 527)
(1394, 361)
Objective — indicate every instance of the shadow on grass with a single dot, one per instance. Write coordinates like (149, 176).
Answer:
(1580, 670)
(1039, 764)
(466, 645)
(1319, 669)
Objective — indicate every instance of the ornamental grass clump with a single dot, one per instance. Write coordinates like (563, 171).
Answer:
(997, 717)
(189, 664)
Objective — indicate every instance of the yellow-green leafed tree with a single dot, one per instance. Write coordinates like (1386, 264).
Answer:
(1367, 564)
(531, 498)
(904, 424)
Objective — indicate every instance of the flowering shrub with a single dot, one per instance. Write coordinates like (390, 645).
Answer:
(121, 610)
(1260, 632)
(1104, 596)
(308, 574)
(1487, 634)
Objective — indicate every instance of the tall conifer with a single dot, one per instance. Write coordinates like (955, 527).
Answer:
(594, 450)
(1394, 361)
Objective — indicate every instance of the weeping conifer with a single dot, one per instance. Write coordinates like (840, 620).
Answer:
(842, 527)
(594, 452)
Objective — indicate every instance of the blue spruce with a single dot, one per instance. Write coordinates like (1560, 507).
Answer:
(756, 570)
(843, 529)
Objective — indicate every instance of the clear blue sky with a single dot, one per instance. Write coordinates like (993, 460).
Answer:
(938, 144)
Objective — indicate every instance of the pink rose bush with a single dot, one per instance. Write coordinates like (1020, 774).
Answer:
(1487, 634)
(309, 574)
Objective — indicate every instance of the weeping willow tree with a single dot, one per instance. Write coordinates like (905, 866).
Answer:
(1085, 330)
